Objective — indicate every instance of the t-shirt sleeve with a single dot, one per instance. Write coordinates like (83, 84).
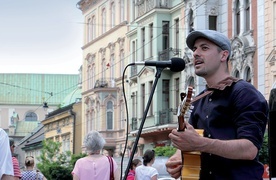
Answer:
(154, 172)
(76, 169)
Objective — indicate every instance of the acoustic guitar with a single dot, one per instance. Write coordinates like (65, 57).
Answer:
(190, 160)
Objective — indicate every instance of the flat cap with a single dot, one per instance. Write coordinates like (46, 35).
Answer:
(214, 36)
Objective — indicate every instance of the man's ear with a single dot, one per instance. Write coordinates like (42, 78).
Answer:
(224, 55)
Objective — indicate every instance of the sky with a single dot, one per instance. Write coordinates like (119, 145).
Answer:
(40, 36)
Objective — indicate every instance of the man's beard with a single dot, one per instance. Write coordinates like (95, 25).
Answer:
(201, 73)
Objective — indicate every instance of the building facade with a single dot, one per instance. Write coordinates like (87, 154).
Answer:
(270, 44)
(104, 50)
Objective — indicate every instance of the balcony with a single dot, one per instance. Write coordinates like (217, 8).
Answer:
(134, 124)
(133, 71)
(105, 83)
(164, 117)
(167, 54)
(145, 6)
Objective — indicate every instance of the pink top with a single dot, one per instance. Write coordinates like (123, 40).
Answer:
(16, 169)
(93, 168)
(131, 175)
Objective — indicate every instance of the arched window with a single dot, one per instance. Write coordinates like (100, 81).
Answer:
(89, 30)
(247, 75)
(109, 115)
(112, 14)
(31, 116)
(122, 16)
(103, 20)
(237, 74)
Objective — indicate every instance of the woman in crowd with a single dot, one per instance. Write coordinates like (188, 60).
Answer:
(16, 169)
(31, 173)
(95, 166)
(131, 174)
(146, 171)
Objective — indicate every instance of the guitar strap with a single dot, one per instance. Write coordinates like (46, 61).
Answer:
(220, 86)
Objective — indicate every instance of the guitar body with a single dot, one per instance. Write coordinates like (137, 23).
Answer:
(190, 160)
(191, 163)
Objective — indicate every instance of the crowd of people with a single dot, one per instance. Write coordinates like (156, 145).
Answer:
(10, 169)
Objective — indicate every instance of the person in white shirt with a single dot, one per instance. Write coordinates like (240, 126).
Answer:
(6, 166)
(146, 171)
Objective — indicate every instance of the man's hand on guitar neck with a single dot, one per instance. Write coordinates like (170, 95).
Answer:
(187, 140)
(174, 165)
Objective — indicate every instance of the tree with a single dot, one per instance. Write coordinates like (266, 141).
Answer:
(52, 163)
(263, 155)
(167, 151)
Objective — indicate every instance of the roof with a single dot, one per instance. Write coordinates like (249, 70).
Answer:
(33, 89)
(36, 132)
(23, 128)
(73, 97)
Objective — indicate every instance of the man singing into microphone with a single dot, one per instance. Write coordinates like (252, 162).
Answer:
(232, 113)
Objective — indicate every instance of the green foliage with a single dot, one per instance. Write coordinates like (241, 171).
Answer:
(167, 151)
(263, 154)
(56, 165)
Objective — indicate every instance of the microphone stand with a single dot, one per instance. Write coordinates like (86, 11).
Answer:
(157, 76)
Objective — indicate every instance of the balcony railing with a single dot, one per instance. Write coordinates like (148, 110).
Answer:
(164, 117)
(133, 71)
(134, 124)
(169, 53)
(145, 6)
(105, 83)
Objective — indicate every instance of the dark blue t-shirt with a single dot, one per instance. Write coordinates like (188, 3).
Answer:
(238, 111)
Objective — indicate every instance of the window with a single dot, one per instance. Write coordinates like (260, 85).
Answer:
(109, 115)
(103, 69)
(134, 104)
(238, 21)
(165, 94)
(122, 116)
(213, 22)
(247, 15)
(165, 34)
(151, 104)
(247, 75)
(191, 20)
(177, 94)
(143, 98)
(143, 43)
(112, 14)
(122, 61)
(91, 72)
(151, 40)
(89, 30)
(237, 74)
(93, 28)
(66, 143)
(31, 116)
(133, 51)
(122, 10)
(112, 67)
(103, 20)
(176, 23)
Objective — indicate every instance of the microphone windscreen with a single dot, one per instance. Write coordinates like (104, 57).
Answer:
(177, 65)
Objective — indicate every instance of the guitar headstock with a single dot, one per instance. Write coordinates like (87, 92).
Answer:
(184, 107)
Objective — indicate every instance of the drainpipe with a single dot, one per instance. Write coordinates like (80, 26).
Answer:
(74, 128)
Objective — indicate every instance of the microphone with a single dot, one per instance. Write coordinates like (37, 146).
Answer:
(175, 64)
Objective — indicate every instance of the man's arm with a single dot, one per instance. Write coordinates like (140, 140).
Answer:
(190, 140)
